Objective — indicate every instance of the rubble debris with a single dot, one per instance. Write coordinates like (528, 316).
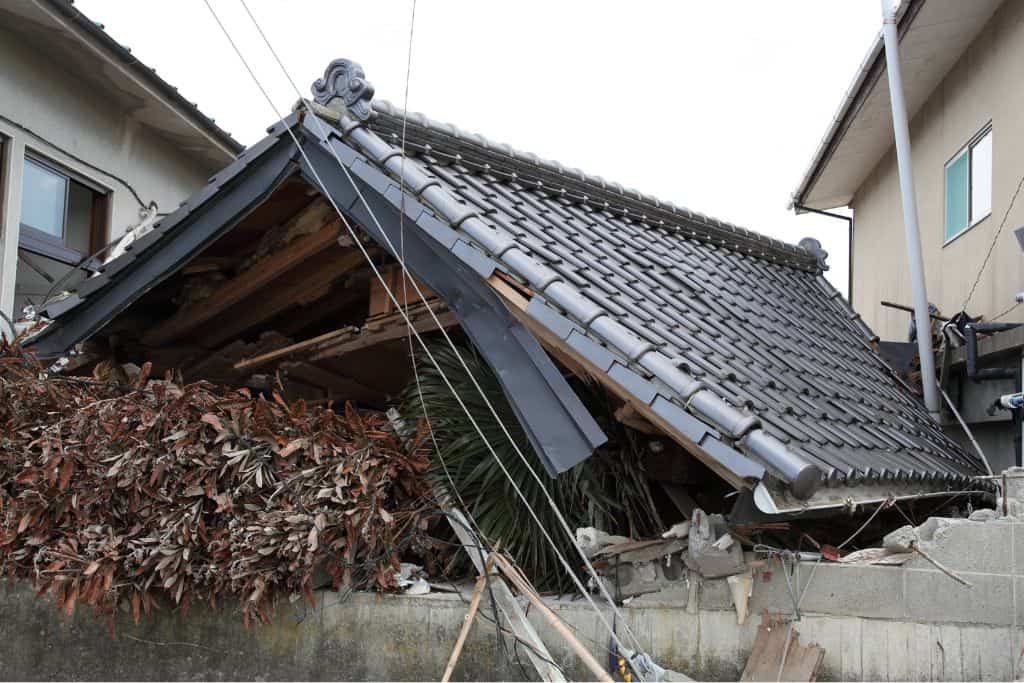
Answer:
(875, 556)
(709, 553)
(681, 530)
(156, 492)
(591, 540)
(778, 655)
(409, 577)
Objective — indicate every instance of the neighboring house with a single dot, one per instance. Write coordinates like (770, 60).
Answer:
(962, 66)
(730, 345)
(89, 137)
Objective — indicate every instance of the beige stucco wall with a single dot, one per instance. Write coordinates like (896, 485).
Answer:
(987, 84)
(65, 114)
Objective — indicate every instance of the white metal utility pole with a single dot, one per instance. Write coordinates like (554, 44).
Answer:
(901, 129)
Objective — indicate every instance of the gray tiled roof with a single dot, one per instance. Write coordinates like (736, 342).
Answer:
(750, 317)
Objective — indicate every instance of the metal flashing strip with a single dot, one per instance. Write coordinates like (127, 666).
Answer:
(560, 429)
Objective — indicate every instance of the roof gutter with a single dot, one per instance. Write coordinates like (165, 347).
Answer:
(870, 71)
(800, 208)
(147, 75)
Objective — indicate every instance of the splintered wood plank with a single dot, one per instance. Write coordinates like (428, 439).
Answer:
(328, 268)
(245, 284)
(395, 331)
(801, 661)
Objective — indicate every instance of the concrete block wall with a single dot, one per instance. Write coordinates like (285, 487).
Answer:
(875, 622)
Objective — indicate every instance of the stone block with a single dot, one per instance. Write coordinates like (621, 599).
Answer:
(933, 596)
(1017, 529)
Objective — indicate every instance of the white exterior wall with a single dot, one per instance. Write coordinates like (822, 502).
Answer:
(984, 86)
(69, 117)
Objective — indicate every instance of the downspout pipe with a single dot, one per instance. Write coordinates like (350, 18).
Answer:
(901, 132)
(849, 240)
(975, 373)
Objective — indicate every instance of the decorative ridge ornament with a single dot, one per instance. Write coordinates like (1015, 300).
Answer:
(345, 80)
(814, 248)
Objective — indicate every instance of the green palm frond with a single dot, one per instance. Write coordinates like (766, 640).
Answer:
(609, 490)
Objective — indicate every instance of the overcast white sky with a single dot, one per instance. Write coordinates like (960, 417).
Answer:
(716, 106)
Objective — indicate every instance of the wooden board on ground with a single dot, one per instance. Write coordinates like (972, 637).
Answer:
(801, 661)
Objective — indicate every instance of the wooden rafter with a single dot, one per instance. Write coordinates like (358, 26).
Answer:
(342, 335)
(398, 331)
(245, 284)
(284, 295)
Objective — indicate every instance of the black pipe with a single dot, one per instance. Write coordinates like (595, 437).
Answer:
(977, 374)
(849, 241)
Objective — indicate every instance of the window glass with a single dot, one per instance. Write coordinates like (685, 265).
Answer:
(43, 195)
(981, 178)
(956, 195)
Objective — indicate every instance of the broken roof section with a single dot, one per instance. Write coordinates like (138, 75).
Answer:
(730, 342)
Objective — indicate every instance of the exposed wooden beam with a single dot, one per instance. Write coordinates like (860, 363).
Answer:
(342, 334)
(296, 348)
(274, 300)
(397, 331)
(240, 287)
(517, 302)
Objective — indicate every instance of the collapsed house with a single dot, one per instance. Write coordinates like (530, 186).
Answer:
(730, 346)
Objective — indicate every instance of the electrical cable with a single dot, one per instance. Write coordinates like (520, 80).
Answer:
(992, 246)
(883, 504)
(1008, 310)
(391, 295)
(76, 158)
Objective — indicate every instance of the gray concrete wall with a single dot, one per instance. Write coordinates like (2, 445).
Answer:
(875, 623)
(65, 114)
(983, 86)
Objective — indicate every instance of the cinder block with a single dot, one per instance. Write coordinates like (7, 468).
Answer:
(872, 591)
(966, 546)
(714, 594)
(933, 596)
(1017, 529)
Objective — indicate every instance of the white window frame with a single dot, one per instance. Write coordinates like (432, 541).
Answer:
(966, 149)
(42, 243)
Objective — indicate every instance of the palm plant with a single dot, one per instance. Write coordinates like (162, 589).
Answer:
(609, 490)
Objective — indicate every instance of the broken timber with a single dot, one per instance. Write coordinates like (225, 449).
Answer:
(536, 652)
(243, 285)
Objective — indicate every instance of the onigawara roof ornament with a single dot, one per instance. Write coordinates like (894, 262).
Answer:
(345, 80)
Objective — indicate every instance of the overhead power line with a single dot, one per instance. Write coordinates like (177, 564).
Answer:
(423, 345)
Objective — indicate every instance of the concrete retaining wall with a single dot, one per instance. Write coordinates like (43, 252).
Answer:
(875, 623)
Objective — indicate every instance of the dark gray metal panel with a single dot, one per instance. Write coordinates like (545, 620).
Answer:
(558, 426)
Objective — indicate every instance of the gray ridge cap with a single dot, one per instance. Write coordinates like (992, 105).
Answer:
(742, 426)
(791, 254)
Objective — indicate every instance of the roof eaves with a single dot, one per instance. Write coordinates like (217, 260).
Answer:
(867, 76)
(147, 74)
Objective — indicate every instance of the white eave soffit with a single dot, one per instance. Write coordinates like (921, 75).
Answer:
(940, 32)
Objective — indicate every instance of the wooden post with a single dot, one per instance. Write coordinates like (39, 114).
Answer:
(537, 653)
(474, 604)
(584, 654)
